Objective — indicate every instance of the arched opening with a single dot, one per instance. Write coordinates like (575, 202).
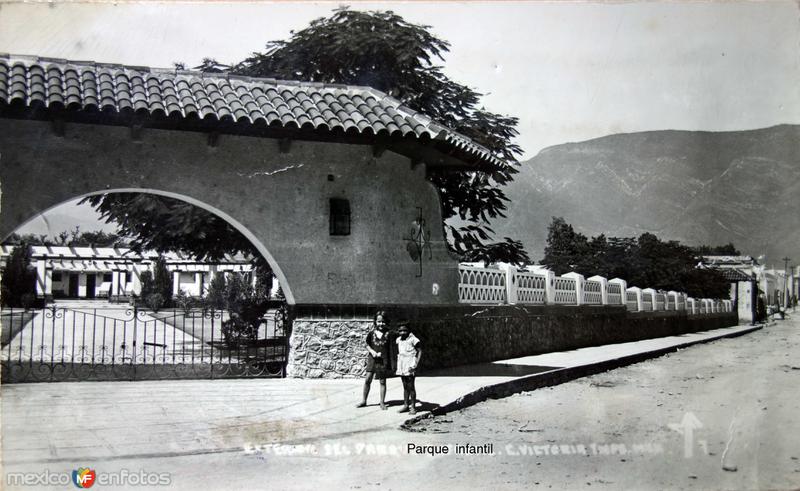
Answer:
(125, 313)
(257, 244)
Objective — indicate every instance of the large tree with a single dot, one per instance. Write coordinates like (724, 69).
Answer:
(383, 51)
(566, 249)
(646, 261)
(159, 223)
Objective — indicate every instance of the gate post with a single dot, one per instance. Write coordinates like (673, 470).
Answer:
(623, 290)
(603, 288)
(639, 301)
(511, 282)
(133, 349)
(578, 285)
(549, 286)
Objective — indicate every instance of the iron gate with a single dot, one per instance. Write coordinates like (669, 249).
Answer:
(58, 343)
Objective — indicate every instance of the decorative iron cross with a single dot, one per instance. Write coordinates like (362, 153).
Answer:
(419, 240)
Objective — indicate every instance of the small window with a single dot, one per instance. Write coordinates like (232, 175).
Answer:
(127, 277)
(107, 278)
(57, 276)
(340, 217)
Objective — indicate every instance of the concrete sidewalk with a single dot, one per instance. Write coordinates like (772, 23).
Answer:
(97, 421)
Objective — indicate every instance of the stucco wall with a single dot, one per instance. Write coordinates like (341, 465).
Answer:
(280, 199)
(332, 346)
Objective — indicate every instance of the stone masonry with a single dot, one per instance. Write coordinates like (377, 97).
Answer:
(328, 348)
(331, 347)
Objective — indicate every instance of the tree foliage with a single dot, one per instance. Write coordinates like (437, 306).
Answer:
(18, 284)
(246, 305)
(646, 261)
(148, 287)
(163, 224)
(724, 250)
(383, 51)
(72, 238)
(215, 295)
(162, 280)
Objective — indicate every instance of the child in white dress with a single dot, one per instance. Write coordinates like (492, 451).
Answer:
(409, 353)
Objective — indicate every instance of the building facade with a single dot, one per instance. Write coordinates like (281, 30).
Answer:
(750, 279)
(115, 273)
(746, 278)
(331, 184)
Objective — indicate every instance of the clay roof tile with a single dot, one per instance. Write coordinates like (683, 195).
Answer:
(183, 94)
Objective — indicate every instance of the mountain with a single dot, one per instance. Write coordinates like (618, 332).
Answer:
(696, 187)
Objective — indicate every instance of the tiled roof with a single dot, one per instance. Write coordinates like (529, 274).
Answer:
(115, 253)
(90, 86)
(735, 275)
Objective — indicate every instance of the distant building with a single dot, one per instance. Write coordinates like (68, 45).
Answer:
(795, 284)
(745, 276)
(115, 273)
(744, 271)
(785, 288)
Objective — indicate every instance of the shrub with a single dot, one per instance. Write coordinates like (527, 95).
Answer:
(27, 300)
(154, 301)
(215, 296)
(147, 284)
(238, 330)
(246, 306)
(162, 280)
(184, 302)
(18, 278)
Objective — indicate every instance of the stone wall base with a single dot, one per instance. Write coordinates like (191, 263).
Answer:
(328, 344)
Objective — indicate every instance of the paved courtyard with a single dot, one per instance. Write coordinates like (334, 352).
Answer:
(104, 334)
(87, 335)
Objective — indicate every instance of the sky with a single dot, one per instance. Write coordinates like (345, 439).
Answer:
(571, 71)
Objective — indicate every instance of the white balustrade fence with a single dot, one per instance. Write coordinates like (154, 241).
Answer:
(615, 294)
(593, 293)
(531, 287)
(659, 301)
(632, 300)
(481, 285)
(647, 301)
(566, 291)
(506, 284)
(679, 300)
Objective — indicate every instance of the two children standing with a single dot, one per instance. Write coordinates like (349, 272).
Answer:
(409, 353)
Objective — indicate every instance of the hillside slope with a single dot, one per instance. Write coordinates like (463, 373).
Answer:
(696, 187)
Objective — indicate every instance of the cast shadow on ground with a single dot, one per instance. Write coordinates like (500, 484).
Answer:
(421, 405)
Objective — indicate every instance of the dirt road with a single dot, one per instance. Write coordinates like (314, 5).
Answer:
(725, 415)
